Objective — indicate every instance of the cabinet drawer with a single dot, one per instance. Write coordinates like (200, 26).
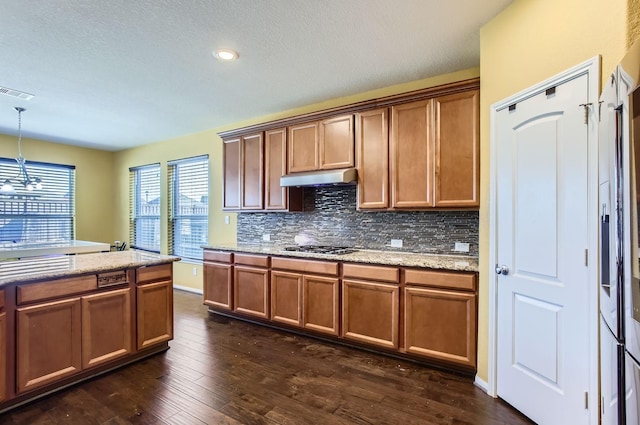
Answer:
(305, 266)
(464, 281)
(218, 256)
(251, 260)
(380, 274)
(154, 273)
(56, 289)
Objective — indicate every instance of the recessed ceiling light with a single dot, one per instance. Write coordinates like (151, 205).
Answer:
(226, 55)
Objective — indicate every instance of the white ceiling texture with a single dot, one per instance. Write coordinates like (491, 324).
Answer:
(115, 74)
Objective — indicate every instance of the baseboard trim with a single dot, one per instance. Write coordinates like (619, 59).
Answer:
(482, 384)
(188, 289)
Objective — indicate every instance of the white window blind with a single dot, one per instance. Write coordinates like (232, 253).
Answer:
(41, 215)
(144, 207)
(188, 206)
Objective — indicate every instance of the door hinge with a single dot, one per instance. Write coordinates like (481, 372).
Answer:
(586, 258)
(600, 110)
(586, 107)
(586, 400)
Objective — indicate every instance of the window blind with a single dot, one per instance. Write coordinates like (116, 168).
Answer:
(188, 206)
(144, 207)
(41, 215)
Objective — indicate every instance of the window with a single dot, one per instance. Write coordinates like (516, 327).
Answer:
(41, 215)
(144, 207)
(188, 206)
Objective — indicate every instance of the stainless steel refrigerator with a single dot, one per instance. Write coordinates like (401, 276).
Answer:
(619, 179)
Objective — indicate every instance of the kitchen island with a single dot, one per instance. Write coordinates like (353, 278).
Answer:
(24, 250)
(64, 319)
(417, 306)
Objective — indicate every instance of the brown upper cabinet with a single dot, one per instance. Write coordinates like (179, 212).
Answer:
(421, 154)
(253, 165)
(243, 172)
(321, 145)
(417, 150)
(457, 164)
(277, 197)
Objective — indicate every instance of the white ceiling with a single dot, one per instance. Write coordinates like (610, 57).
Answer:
(119, 73)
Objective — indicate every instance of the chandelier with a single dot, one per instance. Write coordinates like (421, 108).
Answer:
(23, 178)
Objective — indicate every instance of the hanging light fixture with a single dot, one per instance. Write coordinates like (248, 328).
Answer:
(23, 178)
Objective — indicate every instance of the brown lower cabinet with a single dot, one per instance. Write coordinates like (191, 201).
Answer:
(155, 313)
(106, 327)
(60, 331)
(306, 294)
(320, 304)
(251, 291)
(286, 298)
(370, 304)
(49, 342)
(251, 285)
(419, 313)
(370, 312)
(441, 324)
(218, 279)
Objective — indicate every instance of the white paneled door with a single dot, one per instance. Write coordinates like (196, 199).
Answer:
(541, 242)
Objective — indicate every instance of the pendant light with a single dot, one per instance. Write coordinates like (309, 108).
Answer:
(29, 183)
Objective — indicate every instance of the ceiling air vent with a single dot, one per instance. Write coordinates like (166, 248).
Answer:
(16, 93)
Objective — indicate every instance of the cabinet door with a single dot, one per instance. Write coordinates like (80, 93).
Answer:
(48, 343)
(275, 196)
(457, 150)
(320, 304)
(232, 168)
(106, 327)
(372, 147)
(251, 291)
(370, 312)
(336, 142)
(411, 155)
(155, 313)
(218, 285)
(252, 172)
(286, 298)
(441, 324)
(3, 356)
(303, 147)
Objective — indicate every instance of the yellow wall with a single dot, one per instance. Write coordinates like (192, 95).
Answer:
(94, 182)
(209, 143)
(530, 41)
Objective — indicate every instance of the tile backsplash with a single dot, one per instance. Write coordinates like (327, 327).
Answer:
(331, 218)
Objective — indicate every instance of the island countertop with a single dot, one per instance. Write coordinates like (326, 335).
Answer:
(40, 268)
(391, 258)
(23, 250)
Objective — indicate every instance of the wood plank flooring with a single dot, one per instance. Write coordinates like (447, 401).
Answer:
(225, 371)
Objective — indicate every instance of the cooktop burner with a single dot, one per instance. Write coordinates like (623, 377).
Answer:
(321, 249)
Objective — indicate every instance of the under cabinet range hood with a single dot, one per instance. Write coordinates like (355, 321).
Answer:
(319, 178)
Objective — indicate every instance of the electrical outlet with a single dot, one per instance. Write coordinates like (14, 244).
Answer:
(396, 243)
(226, 219)
(266, 237)
(195, 271)
(461, 247)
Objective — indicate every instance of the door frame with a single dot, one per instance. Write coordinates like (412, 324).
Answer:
(591, 68)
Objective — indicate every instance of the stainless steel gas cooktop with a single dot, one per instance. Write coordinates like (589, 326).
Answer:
(321, 249)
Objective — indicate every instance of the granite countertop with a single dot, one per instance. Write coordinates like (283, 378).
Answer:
(39, 268)
(23, 250)
(391, 258)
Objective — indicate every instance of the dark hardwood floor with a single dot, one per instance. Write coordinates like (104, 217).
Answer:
(226, 371)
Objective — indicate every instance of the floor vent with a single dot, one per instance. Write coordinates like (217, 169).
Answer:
(16, 93)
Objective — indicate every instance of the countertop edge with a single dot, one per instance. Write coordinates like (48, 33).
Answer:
(386, 258)
(49, 274)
